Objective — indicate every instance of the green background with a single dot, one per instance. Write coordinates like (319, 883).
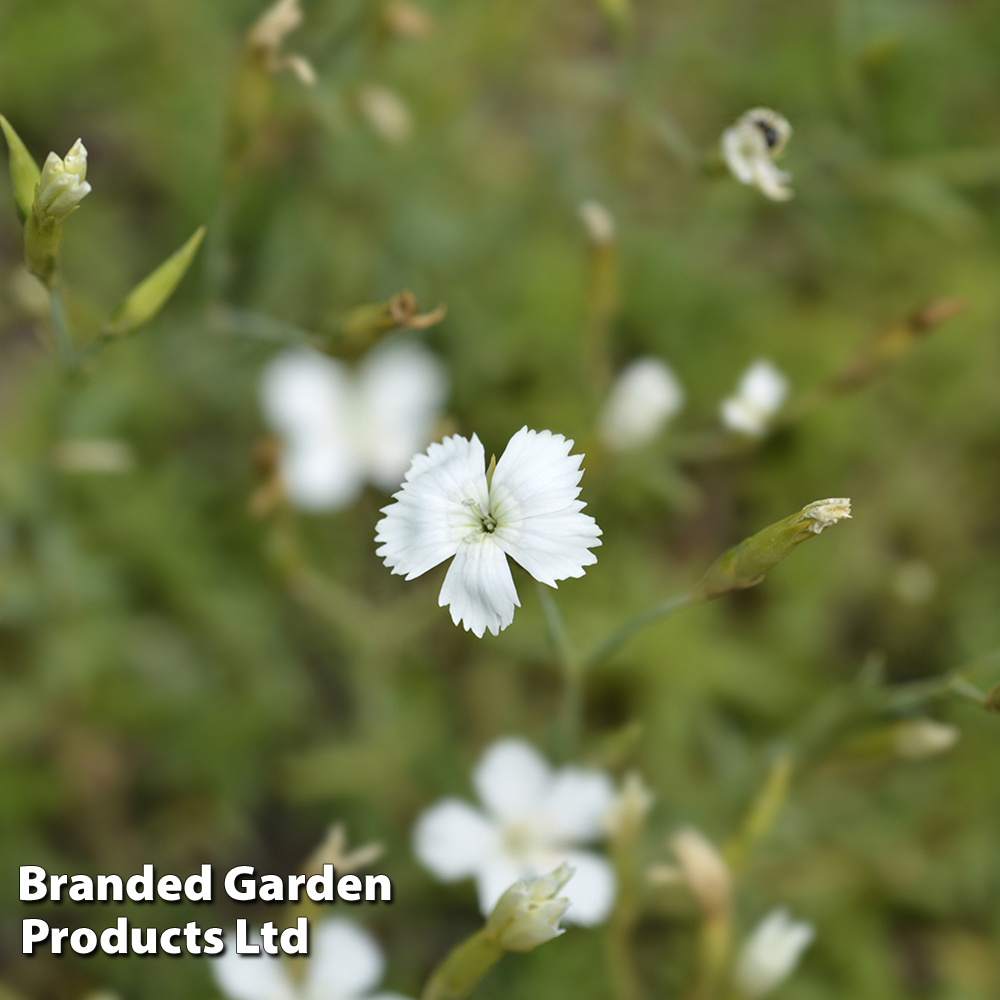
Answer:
(167, 696)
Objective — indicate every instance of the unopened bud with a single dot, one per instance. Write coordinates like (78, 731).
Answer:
(598, 222)
(625, 818)
(704, 871)
(407, 20)
(771, 953)
(62, 185)
(386, 113)
(267, 35)
(915, 739)
(528, 913)
(747, 563)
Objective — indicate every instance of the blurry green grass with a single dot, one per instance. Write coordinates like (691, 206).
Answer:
(163, 698)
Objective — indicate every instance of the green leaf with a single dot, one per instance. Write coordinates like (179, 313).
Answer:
(151, 294)
(24, 172)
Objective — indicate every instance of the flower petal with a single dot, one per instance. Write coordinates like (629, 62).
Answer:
(764, 387)
(533, 497)
(309, 400)
(577, 802)
(251, 977)
(478, 587)
(402, 386)
(553, 546)
(346, 962)
(591, 890)
(429, 520)
(453, 839)
(536, 475)
(512, 779)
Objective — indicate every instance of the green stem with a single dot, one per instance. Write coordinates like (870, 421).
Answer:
(463, 967)
(617, 639)
(65, 348)
(571, 713)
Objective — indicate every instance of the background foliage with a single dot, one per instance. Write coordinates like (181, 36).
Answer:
(169, 694)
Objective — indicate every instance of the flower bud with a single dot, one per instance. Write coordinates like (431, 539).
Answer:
(598, 222)
(771, 953)
(62, 185)
(267, 35)
(642, 401)
(704, 871)
(386, 113)
(528, 913)
(915, 739)
(627, 814)
(746, 564)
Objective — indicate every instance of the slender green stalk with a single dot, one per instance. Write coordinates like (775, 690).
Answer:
(620, 636)
(463, 967)
(571, 713)
(66, 350)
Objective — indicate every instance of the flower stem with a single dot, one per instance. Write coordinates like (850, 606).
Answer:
(65, 348)
(620, 636)
(571, 713)
(463, 967)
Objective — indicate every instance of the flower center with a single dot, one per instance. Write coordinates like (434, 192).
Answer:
(487, 521)
(770, 133)
(519, 839)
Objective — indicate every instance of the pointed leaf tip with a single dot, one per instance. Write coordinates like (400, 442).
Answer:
(24, 172)
(152, 293)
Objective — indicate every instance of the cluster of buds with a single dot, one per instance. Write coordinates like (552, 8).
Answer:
(528, 913)
(61, 186)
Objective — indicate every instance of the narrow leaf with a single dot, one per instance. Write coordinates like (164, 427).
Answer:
(24, 172)
(151, 294)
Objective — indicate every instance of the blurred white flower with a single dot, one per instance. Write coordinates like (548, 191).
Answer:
(750, 148)
(645, 396)
(771, 953)
(528, 913)
(531, 821)
(759, 396)
(526, 510)
(268, 34)
(704, 870)
(345, 964)
(386, 113)
(341, 428)
(62, 185)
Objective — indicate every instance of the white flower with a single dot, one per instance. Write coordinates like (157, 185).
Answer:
(759, 396)
(527, 511)
(63, 184)
(345, 964)
(340, 428)
(528, 913)
(532, 820)
(645, 396)
(750, 148)
(771, 953)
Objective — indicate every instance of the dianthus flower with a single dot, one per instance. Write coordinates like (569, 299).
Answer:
(526, 509)
(750, 148)
(533, 818)
(759, 396)
(345, 963)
